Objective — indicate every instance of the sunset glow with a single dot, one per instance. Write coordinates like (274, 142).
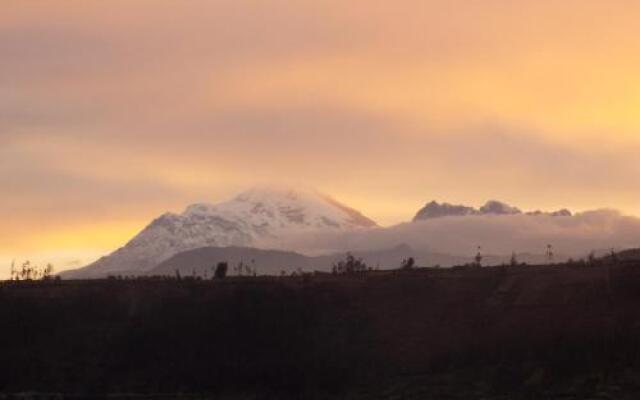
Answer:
(112, 113)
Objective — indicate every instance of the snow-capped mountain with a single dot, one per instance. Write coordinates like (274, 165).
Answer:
(255, 216)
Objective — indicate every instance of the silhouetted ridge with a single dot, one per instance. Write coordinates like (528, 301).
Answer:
(434, 209)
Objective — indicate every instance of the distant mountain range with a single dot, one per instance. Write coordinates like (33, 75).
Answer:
(276, 230)
(491, 207)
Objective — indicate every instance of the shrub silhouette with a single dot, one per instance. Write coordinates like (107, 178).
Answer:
(349, 265)
(29, 271)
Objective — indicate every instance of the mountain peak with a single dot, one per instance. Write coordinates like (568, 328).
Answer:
(264, 194)
(434, 209)
(498, 208)
(284, 207)
(277, 191)
(251, 218)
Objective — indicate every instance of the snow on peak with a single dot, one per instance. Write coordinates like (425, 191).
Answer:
(283, 208)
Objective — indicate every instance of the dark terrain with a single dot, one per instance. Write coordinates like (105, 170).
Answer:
(275, 262)
(570, 332)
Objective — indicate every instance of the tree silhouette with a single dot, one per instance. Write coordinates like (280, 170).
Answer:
(25, 271)
(349, 265)
(239, 268)
(614, 256)
(550, 254)
(29, 271)
(221, 270)
(478, 258)
(514, 260)
(591, 258)
(47, 272)
(408, 263)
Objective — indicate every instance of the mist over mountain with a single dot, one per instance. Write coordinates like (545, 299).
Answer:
(573, 236)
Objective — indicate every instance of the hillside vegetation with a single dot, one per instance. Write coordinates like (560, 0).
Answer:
(499, 332)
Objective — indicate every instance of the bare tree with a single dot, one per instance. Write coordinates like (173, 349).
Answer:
(549, 254)
(478, 258)
(25, 270)
(239, 268)
(591, 258)
(614, 256)
(514, 260)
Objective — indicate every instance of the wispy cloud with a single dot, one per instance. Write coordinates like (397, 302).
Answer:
(125, 109)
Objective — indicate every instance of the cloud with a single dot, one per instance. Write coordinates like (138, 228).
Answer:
(126, 109)
(498, 235)
(42, 201)
(355, 156)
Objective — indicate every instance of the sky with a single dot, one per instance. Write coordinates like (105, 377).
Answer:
(112, 113)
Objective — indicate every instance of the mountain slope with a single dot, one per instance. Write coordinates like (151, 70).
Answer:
(251, 218)
(202, 261)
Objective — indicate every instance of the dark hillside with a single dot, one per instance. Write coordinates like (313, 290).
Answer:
(267, 262)
(274, 262)
(500, 332)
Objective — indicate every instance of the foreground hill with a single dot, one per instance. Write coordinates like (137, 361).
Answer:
(495, 333)
(201, 262)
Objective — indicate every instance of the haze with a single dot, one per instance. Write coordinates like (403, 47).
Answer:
(112, 113)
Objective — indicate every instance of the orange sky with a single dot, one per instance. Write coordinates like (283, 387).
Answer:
(114, 112)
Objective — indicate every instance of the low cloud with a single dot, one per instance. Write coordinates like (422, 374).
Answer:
(574, 236)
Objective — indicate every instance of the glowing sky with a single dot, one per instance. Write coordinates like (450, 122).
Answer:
(112, 112)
